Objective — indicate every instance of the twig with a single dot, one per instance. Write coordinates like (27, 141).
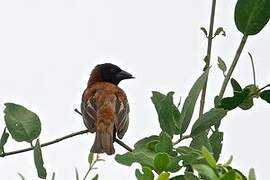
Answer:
(253, 69)
(92, 166)
(77, 111)
(3, 154)
(44, 144)
(230, 71)
(209, 48)
(121, 143)
(118, 141)
(268, 85)
(181, 139)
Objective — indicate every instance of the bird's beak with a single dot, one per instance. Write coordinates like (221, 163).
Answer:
(124, 75)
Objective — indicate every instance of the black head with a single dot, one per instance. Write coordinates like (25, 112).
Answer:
(112, 73)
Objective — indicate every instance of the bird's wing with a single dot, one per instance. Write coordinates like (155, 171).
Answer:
(122, 111)
(88, 108)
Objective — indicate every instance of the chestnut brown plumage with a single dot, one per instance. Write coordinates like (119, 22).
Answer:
(105, 106)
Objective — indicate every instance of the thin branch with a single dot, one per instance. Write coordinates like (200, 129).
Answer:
(253, 69)
(121, 143)
(209, 48)
(92, 166)
(3, 154)
(235, 60)
(268, 85)
(118, 141)
(181, 139)
(77, 111)
(44, 144)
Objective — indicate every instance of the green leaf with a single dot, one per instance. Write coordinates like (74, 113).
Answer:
(187, 176)
(146, 150)
(216, 142)
(23, 125)
(96, 177)
(251, 174)
(235, 85)
(180, 177)
(220, 30)
(161, 162)
(187, 150)
(230, 103)
(164, 176)
(190, 176)
(201, 140)
(247, 103)
(251, 15)
(240, 175)
(173, 165)
(206, 171)
(207, 120)
(165, 144)
(77, 174)
(39, 161)
(231, 175)
(209, 157)
(190, 101)
(129, 158)
(222, 66)
(3, 140)
(90, 158)
(188, 155)
(146, 174)
(265, 95)
(21, 176)
(142, 153)
(168, 113)
(204, 31)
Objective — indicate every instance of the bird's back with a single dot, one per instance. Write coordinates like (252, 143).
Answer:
(105, 111)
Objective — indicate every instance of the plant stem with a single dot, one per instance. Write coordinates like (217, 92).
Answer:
(253, 69)
(268, 85)
(181, 139)
(232, 67)
(91, 167)
(209, 48)
(44, 144)
(118, 141)
(58, 140)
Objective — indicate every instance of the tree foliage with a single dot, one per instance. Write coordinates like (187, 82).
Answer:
(161, 156)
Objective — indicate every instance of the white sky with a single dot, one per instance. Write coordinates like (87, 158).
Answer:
(48, 48)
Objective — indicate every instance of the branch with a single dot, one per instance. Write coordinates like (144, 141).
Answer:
(253, 69)
(209, 48)
(235, 60)
(121, 143)
(44, 144)
(92, 166)
(268, 85)
(181, 139)
(61, 139)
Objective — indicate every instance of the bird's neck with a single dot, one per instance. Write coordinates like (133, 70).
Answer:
(94, 77)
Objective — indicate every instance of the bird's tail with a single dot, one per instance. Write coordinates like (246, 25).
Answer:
(103, 143)
(105, 125)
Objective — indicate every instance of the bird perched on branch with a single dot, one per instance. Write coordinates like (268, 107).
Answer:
(105, 106)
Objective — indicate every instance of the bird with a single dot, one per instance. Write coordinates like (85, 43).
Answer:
(104, 106)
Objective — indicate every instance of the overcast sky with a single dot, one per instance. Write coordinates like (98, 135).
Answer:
(48, 48)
